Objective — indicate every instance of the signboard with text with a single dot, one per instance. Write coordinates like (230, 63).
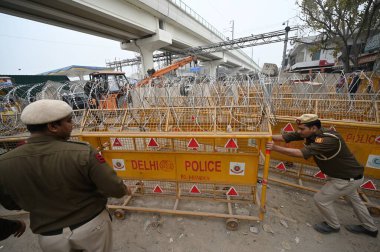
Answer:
(224, 168)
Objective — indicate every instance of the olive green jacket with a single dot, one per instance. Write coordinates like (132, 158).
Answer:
(330, 153)
(60, 183)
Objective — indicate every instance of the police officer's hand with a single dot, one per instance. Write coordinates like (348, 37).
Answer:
(20, 230)
(269, 145)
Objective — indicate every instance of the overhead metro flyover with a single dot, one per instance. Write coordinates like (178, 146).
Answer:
(140, 25)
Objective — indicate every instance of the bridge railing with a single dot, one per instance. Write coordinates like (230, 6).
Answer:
(197, 17)
(202, 21)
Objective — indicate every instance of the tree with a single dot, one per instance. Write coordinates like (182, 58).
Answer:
(346, 23)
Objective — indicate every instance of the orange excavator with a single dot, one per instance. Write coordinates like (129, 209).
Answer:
(155, 74)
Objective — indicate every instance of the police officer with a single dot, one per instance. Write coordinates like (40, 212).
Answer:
(63, 184)
(344, 172)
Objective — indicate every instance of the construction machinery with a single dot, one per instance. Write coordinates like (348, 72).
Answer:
(159, 73)
(109, 90)
(105, 88)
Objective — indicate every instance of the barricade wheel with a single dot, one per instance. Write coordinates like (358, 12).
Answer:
(232, 224)
(119, 214)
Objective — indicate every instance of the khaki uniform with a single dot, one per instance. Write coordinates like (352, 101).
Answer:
(62, 184)
(344, 172)
(79, 239)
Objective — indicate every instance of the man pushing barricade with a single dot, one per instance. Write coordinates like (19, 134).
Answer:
(344, 172)
(63, 184)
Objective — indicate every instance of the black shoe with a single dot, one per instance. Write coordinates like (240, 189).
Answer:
(324, 228)
(359, 229)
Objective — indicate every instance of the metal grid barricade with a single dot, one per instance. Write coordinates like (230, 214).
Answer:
(204, 116)
(188, 165)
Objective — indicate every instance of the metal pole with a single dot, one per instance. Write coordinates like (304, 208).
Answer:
(265, 177)
(287, 29)
(232, 28)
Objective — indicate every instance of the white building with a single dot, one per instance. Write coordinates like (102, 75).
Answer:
(302, 58)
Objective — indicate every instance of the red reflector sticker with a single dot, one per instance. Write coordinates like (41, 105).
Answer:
(100, 158)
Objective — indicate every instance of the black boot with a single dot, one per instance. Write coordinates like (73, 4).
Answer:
(324, 228)
(359, 229)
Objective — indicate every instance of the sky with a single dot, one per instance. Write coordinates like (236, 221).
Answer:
(29, 47)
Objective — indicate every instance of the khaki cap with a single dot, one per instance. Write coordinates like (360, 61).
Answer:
(45, 111)
(306, 118)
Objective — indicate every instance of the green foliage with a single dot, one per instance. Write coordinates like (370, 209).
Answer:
(344, 22)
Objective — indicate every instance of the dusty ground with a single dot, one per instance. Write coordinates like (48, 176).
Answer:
(290, 215)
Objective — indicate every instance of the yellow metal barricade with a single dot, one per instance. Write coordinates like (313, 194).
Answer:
(217, 166)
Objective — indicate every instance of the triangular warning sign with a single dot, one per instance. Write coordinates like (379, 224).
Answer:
(377, 140)
(157, 189)
(320, 175)
(153, 143)
(281, 166)
(193, 144)
(232, 192)
(332, 128)
(369, 185)
(194, 189)
(117, 142)
(231, 144)
(288, 128)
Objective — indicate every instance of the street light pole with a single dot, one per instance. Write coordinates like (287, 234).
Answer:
(287, 29)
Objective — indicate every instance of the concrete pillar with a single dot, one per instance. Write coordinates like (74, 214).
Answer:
(212, 69)
(235, 70)
(212, 66)
(147, 46)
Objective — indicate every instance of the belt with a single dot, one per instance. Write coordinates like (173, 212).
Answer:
(72, 227)
(355, 178)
